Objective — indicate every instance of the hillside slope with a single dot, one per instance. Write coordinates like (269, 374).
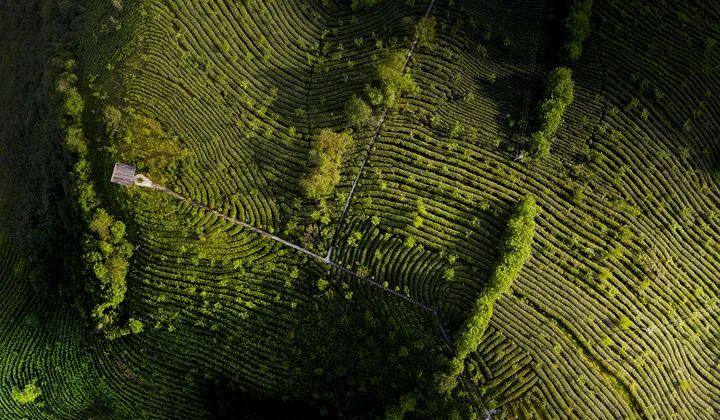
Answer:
(613, 315)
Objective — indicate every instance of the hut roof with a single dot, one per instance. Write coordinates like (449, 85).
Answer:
(123, 174)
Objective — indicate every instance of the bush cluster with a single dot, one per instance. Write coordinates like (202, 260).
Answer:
(393, 80)
(425, 31)
(577, 29)
(28, 395)
(558, 95)
(514, 252)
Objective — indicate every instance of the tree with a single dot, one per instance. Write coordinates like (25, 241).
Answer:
(577, 29)
(358, 112)
(514, 252)
(136, 327)
(393, 80)
(328, 150)
(425, 31)
(141, 140)
(74, 104)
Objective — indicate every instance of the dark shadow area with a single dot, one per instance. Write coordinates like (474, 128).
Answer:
(227, 401)
(508, 92)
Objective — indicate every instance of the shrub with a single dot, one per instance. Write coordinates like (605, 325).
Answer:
(328, 150)
(28, 395)
(514, 252)
(558, 95)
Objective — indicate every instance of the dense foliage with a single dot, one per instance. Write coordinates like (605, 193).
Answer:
(245, 86)
(28, 394)
(514, 252)
(558, 95)
(359, 113)
(106, 251)
(141, 141)
(425, 31)
(328, 151)
(577, 29)
(391, 81)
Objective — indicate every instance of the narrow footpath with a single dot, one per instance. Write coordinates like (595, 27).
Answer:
(145, 182)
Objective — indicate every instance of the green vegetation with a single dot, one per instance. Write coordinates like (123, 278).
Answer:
(577, 29)
(106, 251)
(328, 152)
(514, 252)
(426, 32)
(277, 114)
(391, 82)
(141, 141)
(558, 95)
(28, 395)
(359, 113)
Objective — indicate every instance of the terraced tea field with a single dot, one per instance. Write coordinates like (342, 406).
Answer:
(446, 269)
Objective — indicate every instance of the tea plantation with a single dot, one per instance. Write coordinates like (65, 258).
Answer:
(360, 209)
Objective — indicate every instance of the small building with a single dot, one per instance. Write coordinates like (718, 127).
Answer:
(123, 174)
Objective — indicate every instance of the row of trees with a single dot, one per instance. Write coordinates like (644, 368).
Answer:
(514, 252)
(577, 29)
(106, 251)
(559, 92)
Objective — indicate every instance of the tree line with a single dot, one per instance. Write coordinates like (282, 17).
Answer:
(577, 28)
(514, 252)
(106, 251)
(559, 90)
